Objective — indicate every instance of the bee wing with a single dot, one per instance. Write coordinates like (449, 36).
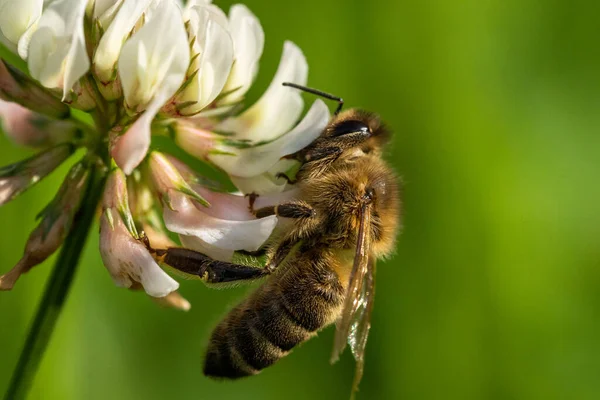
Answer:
(354, 323)
(361, 322)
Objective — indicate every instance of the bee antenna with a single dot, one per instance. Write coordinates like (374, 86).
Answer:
(339, 100)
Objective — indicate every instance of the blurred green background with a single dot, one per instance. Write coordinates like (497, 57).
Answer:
(494, 292)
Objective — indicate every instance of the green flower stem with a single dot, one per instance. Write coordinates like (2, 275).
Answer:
(56, 290)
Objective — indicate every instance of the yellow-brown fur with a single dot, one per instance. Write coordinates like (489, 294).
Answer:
(306, 291)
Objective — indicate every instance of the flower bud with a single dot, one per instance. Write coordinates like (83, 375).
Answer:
(126, 258)
(194, 140)
(82, 96)
(17, 87)
(17, 178)
(56, 221)
(168, 181)
(28, 128)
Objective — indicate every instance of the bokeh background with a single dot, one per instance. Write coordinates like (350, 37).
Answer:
(494, 292)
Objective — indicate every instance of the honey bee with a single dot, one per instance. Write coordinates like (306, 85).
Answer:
(321, 269)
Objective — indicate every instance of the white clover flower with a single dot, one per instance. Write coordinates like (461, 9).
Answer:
(18, 20)
(141, 69)
(57, 55)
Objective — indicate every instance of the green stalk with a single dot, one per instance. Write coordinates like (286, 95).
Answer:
(56, 291)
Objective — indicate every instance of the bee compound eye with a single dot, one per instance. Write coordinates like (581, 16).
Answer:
(350, 126)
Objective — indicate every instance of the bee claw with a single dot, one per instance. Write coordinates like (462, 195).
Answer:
(251, 199)
(156, 253)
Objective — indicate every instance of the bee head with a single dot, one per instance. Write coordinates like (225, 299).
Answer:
(359, 129)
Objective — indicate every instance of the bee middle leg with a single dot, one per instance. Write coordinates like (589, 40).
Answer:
(297, 209)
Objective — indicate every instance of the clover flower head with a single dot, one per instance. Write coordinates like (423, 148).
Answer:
(138, 70)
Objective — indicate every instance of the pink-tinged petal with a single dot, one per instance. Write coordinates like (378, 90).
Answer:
(167, 178)
(173, 300)
(56, 221)
(127, 259)
(187, 219)
(217, 253)
(255, 160)
(28, 128)
(236, 207)
(279, 107)
(18, 177)
(17, 87)
(193, 139)
(129, 149)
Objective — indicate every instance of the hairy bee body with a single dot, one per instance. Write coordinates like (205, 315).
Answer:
(287, 310)
(307, 291)
(321, 264)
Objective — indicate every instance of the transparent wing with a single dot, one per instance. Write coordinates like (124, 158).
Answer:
(354, 323)
(361, 322)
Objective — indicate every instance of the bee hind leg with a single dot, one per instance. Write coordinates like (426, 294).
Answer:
(207, 269)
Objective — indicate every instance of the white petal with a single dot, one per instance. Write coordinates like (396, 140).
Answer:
(192, 3)
(100, 7)
(279, 107)
(236, 207)
(130, 149)
(157, 52)
(16, 16)
(187, 219)
(259, 184)
(23, 45)
(57, 51)
(214, 45)
(128, 260)
(194, 243)
(256, 160)
(110, 44)
(248, 42)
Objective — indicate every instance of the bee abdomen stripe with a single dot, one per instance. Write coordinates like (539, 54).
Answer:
(307, 321)
(278, 327)
(254, 350)
(221, 361)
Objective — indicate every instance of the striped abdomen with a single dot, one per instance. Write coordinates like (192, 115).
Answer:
(287, 310)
